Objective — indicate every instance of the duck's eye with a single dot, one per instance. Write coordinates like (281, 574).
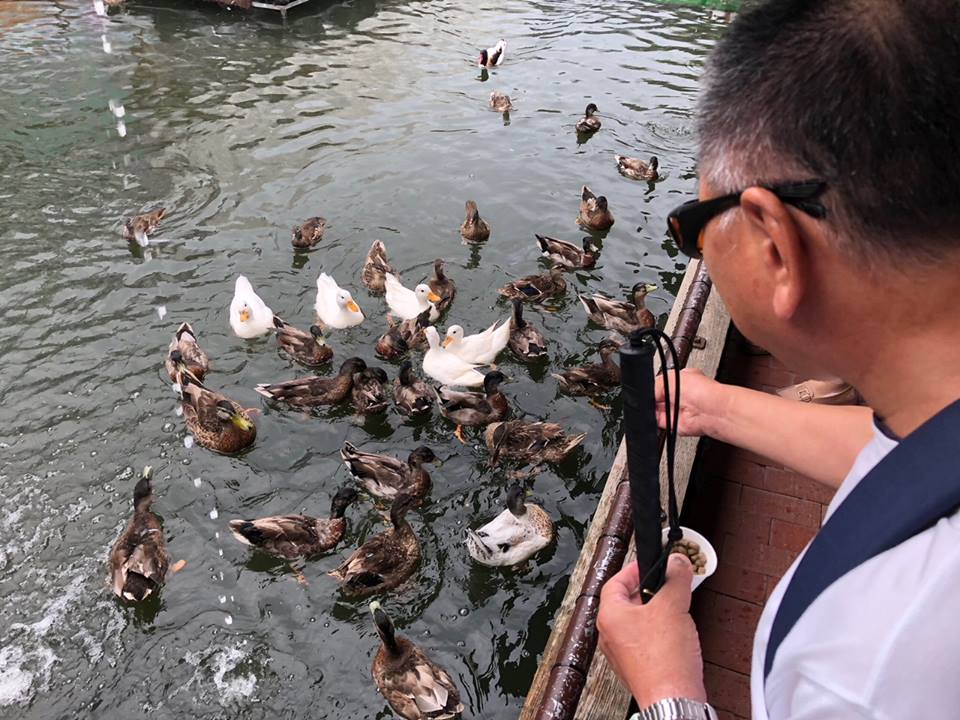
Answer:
(503, 547)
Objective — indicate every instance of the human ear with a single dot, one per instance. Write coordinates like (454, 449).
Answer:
(783, 249)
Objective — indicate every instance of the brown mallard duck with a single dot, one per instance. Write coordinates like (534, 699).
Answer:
(312, 391)
(369, 392)
(531, 442)
(594, 213)
(414, 686)
(474, 228)
(140, 227)
(637, 169)
(589, 123)
(384, 561)
(443, 286)
(567, 255)
(535, 288)
(411, 394)
(296, 536)
(525, 340)
(500, 102)
(185, 352)
(307, 348)
(215, 421)
(309, 233)
(376, 267)
(474, 409)
(139, 560)
(518, 533)
(387, 477)
(594, 378)
(622, 317)
(401, 337)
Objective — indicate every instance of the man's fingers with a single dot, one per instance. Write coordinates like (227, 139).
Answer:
(677, 588)
(623, 585)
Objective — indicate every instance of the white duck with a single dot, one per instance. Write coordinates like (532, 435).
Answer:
(481, 348)
(249, 315)
(335, 306)
(491, 57)
(518, 533)
(446, 367)
(408, 304)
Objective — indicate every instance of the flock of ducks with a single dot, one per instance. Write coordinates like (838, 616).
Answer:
(464, 386)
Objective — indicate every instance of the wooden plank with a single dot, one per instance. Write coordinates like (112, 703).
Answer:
(562, 618)
(604, 697)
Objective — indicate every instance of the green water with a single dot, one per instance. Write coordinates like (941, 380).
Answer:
(371, 114)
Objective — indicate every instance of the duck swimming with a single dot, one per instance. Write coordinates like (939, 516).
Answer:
(411, 395)
(335, 306)
(408, 304)
(442, 286)
(296, 536)
(215, 421)
(139, 560)
(474, 409)
(140, 227)
(414, 686)
(589, 123)
(525, 340)
(481, 348)
(515, 535)
(386, 477)
(637, 169)
(249, 315)
(536, 288)
(401, 337)
(500, 102)
(492, 57)
(567, 255)
(594, 212)
(376, 267)
(313, 391)
(310, 349)
(369, 391)
(384, 561)
(309, 233)
(594, 378)
(531, 442)
(620, 316)
(447, 368)
(184, 351)
(474, 228)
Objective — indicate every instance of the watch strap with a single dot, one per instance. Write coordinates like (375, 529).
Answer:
(677, 709)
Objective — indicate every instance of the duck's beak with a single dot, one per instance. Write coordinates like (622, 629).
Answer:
(650, 287)
(244, 315)
(433, 297)
(241, 422)
(353, 307)
(447, 341)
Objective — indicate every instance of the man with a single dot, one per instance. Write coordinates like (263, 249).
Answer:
(834, 128)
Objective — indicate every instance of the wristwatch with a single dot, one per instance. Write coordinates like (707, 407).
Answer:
(677, 709)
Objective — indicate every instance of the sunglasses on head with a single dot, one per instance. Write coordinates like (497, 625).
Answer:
(686, 223)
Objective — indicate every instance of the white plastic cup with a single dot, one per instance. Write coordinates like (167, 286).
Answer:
(705, 547)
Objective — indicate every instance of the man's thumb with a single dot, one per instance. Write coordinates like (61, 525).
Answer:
(677, 587)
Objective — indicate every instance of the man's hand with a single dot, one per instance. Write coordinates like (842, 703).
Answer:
(653, 648)
(703, 402)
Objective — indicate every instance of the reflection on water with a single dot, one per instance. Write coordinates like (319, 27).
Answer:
(371, 114)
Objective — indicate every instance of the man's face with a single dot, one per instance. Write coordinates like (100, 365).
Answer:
(732, 253)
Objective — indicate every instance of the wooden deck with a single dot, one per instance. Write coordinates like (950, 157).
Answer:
(758, 516)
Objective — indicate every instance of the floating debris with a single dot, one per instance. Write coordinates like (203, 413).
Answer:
(196, 482)
(214, 514)
(188, 442)
(99, 8)
(121, 128)
(162, 312)
(107, 47)
(228, 619)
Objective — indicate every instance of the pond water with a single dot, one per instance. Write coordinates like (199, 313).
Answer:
(371, 114)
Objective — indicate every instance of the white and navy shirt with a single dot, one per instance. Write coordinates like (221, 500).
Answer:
(882, 642)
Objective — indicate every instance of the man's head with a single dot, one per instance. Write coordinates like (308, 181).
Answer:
(865, 96)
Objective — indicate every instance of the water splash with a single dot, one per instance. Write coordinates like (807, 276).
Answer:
(100, 8)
